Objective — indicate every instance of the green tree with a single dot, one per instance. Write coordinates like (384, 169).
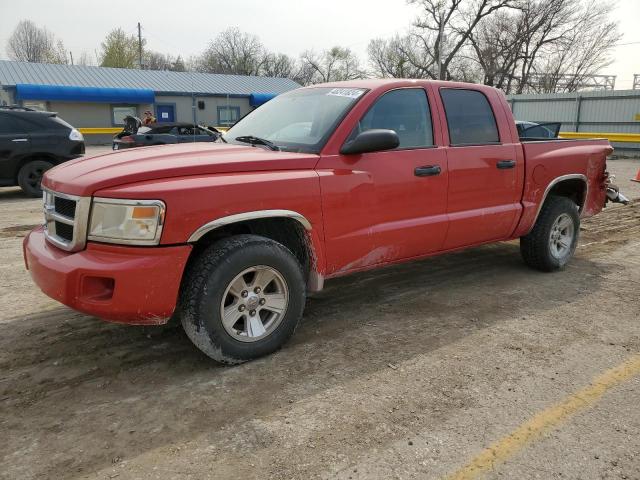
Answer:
(119, 50)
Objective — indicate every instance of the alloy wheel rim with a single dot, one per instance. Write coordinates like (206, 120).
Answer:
(561, 237)
(35, 177)
(254, 303)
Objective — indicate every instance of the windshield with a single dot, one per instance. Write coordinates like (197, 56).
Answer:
(300, 120)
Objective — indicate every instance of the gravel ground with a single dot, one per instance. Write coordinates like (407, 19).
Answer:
(407, 372)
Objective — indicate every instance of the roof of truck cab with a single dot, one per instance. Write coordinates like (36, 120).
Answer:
(385, 83)
(171, 124)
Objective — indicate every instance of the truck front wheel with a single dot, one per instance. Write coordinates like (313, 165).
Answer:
(553, 240)
(242, 298)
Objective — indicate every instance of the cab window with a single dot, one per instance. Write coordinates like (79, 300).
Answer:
(405, 111)
(469, 117)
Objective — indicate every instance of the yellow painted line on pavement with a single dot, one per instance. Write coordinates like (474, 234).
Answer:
(533, 429)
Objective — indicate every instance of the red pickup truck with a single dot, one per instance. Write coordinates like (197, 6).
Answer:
(318, 183)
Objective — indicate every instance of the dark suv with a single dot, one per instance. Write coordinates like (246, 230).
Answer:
(31, 142)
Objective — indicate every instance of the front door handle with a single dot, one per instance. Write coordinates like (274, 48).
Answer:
(427, 171)
(20, 140)
(504, 164)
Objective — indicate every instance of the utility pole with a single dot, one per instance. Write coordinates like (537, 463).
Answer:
(441, 76)
(140, 46)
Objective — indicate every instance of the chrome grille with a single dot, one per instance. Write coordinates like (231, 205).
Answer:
(64, 231)
(66, 218)
(65, 207)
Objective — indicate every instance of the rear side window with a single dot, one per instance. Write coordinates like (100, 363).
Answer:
(469, 117)
(204, 131)
(162, 129)
(12, 124)
(59, 123)
(405, 111)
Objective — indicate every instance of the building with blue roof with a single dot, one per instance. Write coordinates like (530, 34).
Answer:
(96, 99)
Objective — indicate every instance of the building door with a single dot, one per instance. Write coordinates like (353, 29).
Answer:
(165, 112)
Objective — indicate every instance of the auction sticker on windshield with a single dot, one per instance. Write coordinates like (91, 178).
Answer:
(346, 92)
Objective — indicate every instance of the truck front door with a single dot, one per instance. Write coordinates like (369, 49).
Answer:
(486, 169)
(382, 206)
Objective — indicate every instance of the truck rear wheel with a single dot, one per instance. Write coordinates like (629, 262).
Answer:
(553, 240)
(242, 298)
(30, 176)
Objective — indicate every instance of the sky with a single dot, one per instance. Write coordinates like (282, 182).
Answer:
(287, 26)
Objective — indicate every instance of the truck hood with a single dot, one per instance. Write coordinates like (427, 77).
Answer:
(85, 176)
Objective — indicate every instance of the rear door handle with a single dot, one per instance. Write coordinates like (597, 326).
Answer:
(20, 140)
(504, 164)
(427, 171)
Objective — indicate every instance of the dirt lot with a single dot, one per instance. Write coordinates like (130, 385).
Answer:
(408, 372)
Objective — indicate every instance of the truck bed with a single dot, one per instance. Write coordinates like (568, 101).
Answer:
(549, 160)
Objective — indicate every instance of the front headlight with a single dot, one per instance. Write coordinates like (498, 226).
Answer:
(132, 222)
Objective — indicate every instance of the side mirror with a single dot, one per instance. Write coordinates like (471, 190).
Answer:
(374, 140)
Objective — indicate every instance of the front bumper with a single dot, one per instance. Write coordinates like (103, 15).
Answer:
(136, 285)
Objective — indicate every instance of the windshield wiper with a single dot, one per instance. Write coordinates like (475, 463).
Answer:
(257, 141)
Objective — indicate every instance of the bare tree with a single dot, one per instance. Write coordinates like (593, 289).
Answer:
(278, 65)
(444, 27)
(335, 64)
(581, 50)
(544, 45)
(30, 43)
(85, 59)
(156, 61)
(179, 65)
(497, 44)
(542, 23)
(161, 61)
(400, 57)
(233, 52)
(438, 44)
(119, 50)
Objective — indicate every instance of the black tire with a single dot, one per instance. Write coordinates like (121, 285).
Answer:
(30, 176)
(206, 280)
(536, 247)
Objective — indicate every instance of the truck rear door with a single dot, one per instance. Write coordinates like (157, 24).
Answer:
(486, 167)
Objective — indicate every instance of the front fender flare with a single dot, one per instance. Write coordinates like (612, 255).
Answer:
(245, 216)
(315, 281)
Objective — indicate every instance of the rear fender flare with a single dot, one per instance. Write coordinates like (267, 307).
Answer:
(557, 181)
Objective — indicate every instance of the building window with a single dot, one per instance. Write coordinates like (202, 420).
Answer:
(35, 105)
(118, 114)
(227, 116)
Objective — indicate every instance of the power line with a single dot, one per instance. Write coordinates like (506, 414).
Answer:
(623, 44)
